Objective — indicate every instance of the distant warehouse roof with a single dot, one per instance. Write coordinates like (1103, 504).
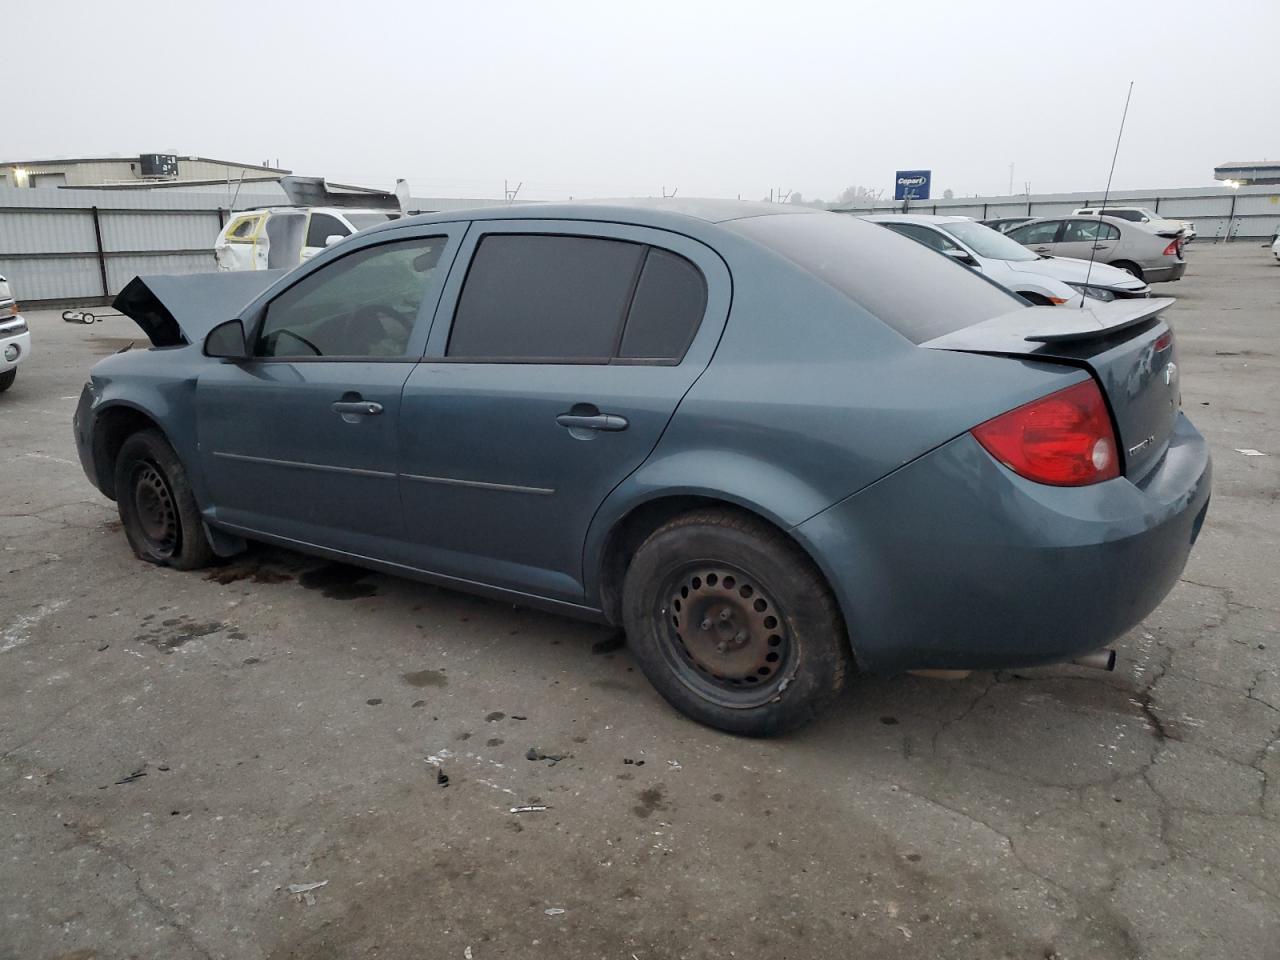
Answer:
(1248, 171)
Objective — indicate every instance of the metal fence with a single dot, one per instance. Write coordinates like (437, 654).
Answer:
(1219, 213)
(83, 246)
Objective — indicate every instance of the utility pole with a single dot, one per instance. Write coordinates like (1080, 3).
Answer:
(508, 193)
(1011, 179)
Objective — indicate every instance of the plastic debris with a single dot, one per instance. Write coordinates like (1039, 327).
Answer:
(534, 753)
(466, 954)
(1250, 452)
(553, 911)
(136, 775)
(297, 888)
(530, 808)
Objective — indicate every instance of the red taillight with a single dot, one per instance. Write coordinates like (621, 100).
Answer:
(1172, 249)
(1064, 439)
(1164, 342)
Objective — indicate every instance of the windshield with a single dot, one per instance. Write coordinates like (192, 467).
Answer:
(986, 242)
(362, 220)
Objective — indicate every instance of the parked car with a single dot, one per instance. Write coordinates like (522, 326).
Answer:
(1004, 224)
(1162, 225)
(1275, 245)
(281, 237)
(1048, 281)
(1129, 246)
(15, 339)
(771, 442)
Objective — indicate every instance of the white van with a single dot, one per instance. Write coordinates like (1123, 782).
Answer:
(282, 237)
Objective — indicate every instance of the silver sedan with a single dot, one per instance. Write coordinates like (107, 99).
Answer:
(1145, 253)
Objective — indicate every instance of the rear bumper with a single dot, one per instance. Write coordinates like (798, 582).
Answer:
(955, 562)
(1163, 274)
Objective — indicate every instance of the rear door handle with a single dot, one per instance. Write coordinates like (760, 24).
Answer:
(364, 408)
(600, 421)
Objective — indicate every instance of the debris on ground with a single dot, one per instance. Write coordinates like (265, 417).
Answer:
(1250, 452)
(674, 765)
(466, 954)
(628, 760)
(533, 753)
(441, 777)
(530, 808)
(302, 891)
(136, 775)
(553, 911)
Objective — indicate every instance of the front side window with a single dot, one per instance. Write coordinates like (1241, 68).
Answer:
(323, 226)
(362, 305)
(1029, 233)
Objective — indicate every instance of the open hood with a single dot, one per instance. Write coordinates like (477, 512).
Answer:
(173, 311)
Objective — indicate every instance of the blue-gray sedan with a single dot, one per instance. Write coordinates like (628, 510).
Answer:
(772, 444)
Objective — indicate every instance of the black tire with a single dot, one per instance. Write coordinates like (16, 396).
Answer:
(1127, 267)
(159, 513)
(7, 378)
(733, 624)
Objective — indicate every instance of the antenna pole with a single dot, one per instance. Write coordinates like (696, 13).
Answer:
(1107, 193)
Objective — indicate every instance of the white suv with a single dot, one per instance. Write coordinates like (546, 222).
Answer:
(15, 340)
(283, 237)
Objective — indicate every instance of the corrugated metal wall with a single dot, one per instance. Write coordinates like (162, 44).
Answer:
(1219, 213)
(50, 250)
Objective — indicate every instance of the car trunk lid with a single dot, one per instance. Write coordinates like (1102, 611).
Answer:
(1125, 345)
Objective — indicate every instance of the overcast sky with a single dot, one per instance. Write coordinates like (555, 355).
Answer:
(623, 99)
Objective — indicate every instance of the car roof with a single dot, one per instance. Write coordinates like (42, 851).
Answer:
(913, 218)
(656, 212)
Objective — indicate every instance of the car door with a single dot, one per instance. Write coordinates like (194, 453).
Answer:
(239, 248)
(1040, 237)
(320, 227)
(1087, 239)
(299, 441)
(559, 355)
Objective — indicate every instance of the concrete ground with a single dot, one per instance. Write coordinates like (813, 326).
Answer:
(177, 749)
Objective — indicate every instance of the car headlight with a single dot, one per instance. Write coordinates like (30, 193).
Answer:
(1093, 292)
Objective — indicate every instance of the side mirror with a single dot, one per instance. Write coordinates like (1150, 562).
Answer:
(333, 238)
(955, 253)
(226, 341)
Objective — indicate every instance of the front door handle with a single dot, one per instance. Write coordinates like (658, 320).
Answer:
(600, 421)
(364, 408)
(1042, 249)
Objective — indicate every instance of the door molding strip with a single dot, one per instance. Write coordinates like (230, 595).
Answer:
(482, 485)
(323, 467)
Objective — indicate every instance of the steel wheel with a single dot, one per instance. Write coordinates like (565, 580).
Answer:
(155, 509)
(723, 635)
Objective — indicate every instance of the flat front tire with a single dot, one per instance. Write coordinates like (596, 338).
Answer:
(7, 378)
(733, 624)
(159, 513)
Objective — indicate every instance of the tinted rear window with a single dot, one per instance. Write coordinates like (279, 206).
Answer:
(529, 296)
(668, 306)
(908, 286)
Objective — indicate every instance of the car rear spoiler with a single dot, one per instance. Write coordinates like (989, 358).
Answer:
(1022, 330)
(173, 311)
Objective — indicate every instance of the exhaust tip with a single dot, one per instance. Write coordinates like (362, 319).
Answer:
(1100, 659)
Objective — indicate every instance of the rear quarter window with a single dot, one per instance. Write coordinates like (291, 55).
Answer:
(909, 287)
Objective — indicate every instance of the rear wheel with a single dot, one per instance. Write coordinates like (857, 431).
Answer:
(733, 624)
(7, 378)
(1127, 267)
(159, 513)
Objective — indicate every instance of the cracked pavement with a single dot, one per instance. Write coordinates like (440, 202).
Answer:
(177, 749)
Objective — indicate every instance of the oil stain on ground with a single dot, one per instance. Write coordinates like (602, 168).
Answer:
(654, 798)
(176, 631)
(425, 678)
(339, 581)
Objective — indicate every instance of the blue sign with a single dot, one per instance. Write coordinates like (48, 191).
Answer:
(912, 184)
